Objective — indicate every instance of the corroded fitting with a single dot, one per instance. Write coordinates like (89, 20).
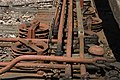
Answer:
(96, 50)
(30, 48)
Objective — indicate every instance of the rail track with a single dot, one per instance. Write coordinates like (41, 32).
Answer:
(65, 43)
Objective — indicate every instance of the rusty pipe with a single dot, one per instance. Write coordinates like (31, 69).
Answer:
(61, 22)
(16, 39)
(70, 26)
(60, 30)
(45, 65)
(49, 58)
(68, 69)
(9, 39)
(81, 35)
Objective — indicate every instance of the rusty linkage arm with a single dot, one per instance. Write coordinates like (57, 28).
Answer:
(60, 30)
(70, 40)
(16, 39)
(50, 58)
(81, 36)
(68, 70)
(29, 47)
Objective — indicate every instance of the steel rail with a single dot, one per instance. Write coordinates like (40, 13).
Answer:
(81, 35)
(50, 58)
(60, 30)
(68, 70)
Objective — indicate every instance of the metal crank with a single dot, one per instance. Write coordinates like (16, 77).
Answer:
(34, 29)
(28, 47)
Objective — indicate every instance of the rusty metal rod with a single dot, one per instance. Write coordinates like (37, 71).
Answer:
(57, 15)
(45, 65)
(16, 39)
(81, 35)
(49, 58)
(34, 40)
(35, 65)
(81, 3)
(60, 30)
(68, 69)
(70, 26)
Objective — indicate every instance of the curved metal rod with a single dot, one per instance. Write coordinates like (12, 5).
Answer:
(49, 58)
(46, 65)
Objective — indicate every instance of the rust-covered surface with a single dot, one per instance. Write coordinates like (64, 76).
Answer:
(64, 40)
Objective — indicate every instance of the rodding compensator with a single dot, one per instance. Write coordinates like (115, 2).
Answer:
(70, 47)
(34, 30)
